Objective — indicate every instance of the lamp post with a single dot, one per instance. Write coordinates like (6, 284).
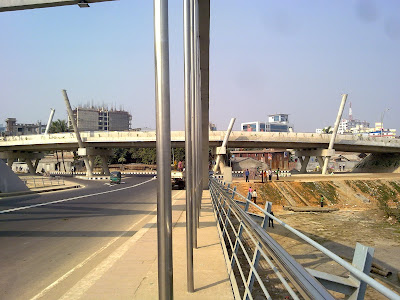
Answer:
(382, 116)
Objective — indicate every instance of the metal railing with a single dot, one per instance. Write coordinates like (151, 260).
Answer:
(39, 182)
(246, 242)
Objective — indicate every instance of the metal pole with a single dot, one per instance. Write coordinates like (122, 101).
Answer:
(188, 148)
(382, 116)
(50, 120)
(163, 145)
(335, 129)
(78, 136)
(193, 122)
(225, 142)
(198, 111)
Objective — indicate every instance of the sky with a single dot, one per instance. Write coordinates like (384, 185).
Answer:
(266, 57)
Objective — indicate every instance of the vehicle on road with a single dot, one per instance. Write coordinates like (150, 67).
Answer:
(178, 179)
(115, 177)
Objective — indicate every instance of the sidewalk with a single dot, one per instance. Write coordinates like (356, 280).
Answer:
(211, 279)
(131, 270)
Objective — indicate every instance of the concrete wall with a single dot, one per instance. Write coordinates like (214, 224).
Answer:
(9, 181)
(118, 120)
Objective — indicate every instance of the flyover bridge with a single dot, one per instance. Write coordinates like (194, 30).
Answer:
(237, 139)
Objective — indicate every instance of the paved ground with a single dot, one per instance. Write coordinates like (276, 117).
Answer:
(100, 243)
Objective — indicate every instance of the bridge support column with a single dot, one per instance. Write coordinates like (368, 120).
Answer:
(304, 163)
(319, 153)
(36, 163)
(321, 161)
(104, 163)
(31, 168)
(90, 153)
(10, 162)
(11, 156)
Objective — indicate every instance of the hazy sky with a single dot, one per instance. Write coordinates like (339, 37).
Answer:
(266, 57)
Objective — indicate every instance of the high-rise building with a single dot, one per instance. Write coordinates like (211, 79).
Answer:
(94, 119)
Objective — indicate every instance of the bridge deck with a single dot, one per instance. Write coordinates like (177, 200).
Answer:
(238, 139)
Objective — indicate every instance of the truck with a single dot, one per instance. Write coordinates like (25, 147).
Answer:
(178, 179)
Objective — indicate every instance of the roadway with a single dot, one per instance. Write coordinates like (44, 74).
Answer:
(47, 249)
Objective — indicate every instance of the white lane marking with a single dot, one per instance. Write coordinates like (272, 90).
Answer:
(85, 283)
(73, 198)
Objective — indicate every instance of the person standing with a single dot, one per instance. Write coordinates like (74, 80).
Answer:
(271, 221)
(247, 173)
(180, 166)
(322, 200)
(265, 175)
(277, 174)
(254, 196)
(262, 176)
(270, 175)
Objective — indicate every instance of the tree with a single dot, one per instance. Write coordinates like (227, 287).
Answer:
(327, 129)
(144, 155)
(59, 126)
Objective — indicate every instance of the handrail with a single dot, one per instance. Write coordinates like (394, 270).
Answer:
(354, 271)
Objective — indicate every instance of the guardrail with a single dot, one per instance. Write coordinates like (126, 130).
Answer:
(38, 182)
(246, 242)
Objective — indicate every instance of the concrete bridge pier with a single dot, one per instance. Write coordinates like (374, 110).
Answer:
(31, 168)
(321, 154)
(26, 156)
(90, 153)
(10, 162)
(304, 162)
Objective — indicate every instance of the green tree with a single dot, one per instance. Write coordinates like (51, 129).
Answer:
(327, 129)
(144, 155)
(58, 126)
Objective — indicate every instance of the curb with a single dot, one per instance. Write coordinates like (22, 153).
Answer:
(4, 195)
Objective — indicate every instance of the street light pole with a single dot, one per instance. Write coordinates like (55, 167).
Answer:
(382, 116)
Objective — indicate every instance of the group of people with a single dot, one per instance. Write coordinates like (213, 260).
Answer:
(265, 175)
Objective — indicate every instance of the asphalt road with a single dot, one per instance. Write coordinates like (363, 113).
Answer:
(47, 247)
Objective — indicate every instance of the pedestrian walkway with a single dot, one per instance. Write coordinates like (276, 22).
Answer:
(130, 271)
(211, 279)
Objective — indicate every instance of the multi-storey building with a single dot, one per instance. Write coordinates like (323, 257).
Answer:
(276, 123)
(93, 119)
(14, 128)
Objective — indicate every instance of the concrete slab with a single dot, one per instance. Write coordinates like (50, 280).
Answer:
(211, 279)
(130, 272)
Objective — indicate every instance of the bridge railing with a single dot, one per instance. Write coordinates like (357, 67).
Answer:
(246, 242)
(39, 182)
(214, 136)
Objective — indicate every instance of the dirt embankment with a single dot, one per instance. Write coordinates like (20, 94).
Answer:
(365, 194)
(369, 213)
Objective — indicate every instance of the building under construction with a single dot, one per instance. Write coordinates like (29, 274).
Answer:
(100, 118)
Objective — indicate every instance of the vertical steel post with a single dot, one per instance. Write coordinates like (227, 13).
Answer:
(163, 145)
(335, 129)
(78, 136)
(188, 147)
(193, 122)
